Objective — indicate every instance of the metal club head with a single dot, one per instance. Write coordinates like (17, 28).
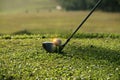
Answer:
(49, 46)
(54, 46)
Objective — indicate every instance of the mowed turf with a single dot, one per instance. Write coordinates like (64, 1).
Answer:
(87, 56)
(59, 22)
(16, 6)
(23, 58)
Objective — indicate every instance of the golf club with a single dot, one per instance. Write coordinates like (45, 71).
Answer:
(50, 47)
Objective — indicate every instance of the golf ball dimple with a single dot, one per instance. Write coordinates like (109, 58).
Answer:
(57, 41)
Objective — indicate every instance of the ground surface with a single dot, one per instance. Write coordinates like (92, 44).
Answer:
(94, 57)
(93, 53)
(26, 6)
(59, 22)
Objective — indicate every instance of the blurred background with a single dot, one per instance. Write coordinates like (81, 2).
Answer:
(58, 16)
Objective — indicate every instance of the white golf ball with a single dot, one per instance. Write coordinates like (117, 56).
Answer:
(57, 41)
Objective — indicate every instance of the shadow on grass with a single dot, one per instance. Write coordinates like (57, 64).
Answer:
(93, 52)
(22, 32)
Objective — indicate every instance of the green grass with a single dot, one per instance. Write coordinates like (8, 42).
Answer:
(92, 57)
(92, 54)
(59, 22)
(18, 6)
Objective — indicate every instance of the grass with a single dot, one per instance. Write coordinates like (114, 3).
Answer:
(92, 54)
(22, 58)
(59, 22)
(18, 6)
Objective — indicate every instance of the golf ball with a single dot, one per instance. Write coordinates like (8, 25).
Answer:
(57, 41)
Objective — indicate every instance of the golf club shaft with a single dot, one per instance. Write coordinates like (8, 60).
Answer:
(93, 9)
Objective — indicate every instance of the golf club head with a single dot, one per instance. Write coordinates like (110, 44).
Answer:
(49, 47)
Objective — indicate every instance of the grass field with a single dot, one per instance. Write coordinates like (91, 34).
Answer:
(89, 58)
(40, 16)
(92, 54)
(59, 22)
(18, 6)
